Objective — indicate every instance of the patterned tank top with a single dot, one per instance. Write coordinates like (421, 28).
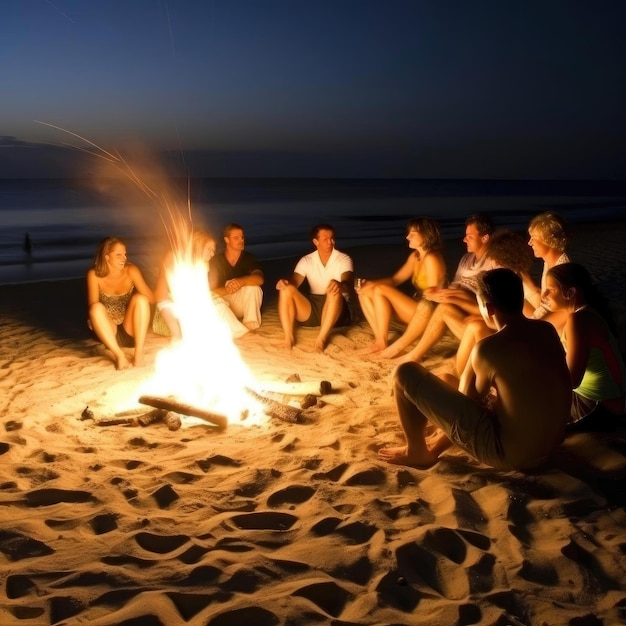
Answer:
(116, 305)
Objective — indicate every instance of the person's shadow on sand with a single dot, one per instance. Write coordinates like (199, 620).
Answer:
(57, 306)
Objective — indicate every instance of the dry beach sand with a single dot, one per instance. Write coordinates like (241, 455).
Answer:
(286, 523)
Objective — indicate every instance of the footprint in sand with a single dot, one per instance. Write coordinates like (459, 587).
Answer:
(265, 521)
(48, 497)
(294, 494)
(189, 605)
(16, 546)
(217, 459)
(329, 596)
(248, 615)
(357, 532)
(370, 476)
(160, 544)
(165, 496)
(358, 572)
(419, 566)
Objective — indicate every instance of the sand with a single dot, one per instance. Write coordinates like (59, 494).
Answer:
(285, 523)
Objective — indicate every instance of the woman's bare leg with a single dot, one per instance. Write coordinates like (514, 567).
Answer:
(106, 331)
(136, 323)
(414, 330)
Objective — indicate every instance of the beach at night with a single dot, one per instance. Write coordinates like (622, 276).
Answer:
(286, 523)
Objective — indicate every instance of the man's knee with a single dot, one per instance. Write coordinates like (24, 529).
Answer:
(287, 292)
(409, 375)
(252, 292)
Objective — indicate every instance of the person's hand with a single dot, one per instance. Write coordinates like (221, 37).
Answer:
(233, 285)
(334, 287)
(282, 283)
(435, 294)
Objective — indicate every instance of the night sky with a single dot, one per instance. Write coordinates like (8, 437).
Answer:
(349, 88)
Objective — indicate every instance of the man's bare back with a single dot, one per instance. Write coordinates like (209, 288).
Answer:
(513, 399)
(525, 364)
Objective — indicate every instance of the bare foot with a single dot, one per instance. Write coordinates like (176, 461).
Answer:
(121, 362)
(405, 358)
(400, 456)
(251, 325)
(373, 348)
(138, 360)
(388, 353)
(318, 347)
(287, 344)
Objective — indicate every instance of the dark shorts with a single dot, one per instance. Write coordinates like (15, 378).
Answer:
(124, 340)
(317, 304)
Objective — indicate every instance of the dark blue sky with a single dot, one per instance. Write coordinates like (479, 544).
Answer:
(432, 88)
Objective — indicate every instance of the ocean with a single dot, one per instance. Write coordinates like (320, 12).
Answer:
(65, 219)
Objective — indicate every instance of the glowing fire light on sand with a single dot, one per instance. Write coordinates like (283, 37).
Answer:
(204, 368)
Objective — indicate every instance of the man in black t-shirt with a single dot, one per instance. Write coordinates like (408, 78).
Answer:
(237, 276)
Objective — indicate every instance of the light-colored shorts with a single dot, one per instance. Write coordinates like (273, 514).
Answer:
(467, 423)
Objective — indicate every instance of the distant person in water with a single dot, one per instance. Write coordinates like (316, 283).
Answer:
(513, 399)
(593, 356)
(237, 276)
(119, 302)
(28, 246)
(198, 247)
(425, 267)
(330, 277)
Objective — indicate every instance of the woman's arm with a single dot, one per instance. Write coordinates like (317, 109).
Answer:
(140, 284)
(93, 293)
(577, 347)
(404, 272)
(435, 267)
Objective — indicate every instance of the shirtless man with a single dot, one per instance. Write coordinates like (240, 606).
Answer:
(237, 276)
(329, 274)
(513, 399)
(455, 302)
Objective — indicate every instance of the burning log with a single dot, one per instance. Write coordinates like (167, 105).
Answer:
(277, 409)
(170, 404)
(152, 417)
(308, 401)
(172, 420)
(298, 388)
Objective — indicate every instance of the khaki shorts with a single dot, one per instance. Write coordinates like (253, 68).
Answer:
(467, 423)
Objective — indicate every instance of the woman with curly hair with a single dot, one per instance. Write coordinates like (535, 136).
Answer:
(592, 353)
(119, 302)
(425, 267)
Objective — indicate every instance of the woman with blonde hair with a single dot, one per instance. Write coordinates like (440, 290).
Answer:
(119, 301)
(425, 267)
(549, 237)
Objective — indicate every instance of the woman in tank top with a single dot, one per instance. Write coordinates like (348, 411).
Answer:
(381, 300)
(593, 355)
(119, 302)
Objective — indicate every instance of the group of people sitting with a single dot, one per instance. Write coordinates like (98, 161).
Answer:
(533, 360)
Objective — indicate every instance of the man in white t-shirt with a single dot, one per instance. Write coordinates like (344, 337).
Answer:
(329, 274)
